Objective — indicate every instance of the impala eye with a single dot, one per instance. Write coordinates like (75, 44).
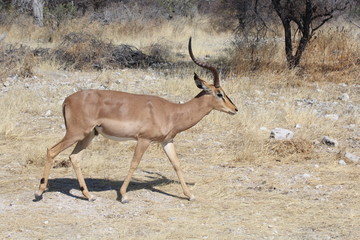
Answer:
(219, 94)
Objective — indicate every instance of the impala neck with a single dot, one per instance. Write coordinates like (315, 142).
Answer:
(190, 113)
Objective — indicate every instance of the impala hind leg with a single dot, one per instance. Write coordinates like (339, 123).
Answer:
(170, 152)
(140, 148)
(75, 158)
(51, 154)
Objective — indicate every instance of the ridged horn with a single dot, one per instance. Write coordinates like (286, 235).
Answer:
(205, 65)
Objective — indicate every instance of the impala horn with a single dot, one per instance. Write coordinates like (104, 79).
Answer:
(205, 65)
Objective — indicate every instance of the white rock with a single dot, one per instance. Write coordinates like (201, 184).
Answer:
(343, 85)
(352, 157)
(119, 81)
(351, 126)
(332, 116)
(344, 97)
(103, 87)
(281, 134)
(342, 163)
(306, 175)
(48, 113)
(329, 141)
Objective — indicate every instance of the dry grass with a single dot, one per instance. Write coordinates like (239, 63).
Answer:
(247, 186)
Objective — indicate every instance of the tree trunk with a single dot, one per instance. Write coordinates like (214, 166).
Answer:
(38, 7)
(288, 43)
(304, 24)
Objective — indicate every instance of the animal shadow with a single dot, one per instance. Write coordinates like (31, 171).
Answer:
(65, 185)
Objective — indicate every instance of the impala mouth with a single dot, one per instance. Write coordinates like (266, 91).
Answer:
(232, 112)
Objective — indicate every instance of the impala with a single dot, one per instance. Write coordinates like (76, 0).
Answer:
(125, 116)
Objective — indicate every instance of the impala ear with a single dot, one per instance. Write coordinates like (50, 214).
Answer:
(202, 84)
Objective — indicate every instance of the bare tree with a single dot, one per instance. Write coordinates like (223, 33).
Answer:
(307, 16)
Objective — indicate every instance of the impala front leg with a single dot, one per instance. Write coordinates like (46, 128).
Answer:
(66, 142)
(170, 152)
(140, 148)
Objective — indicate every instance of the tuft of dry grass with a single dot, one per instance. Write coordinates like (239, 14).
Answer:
(294, 149)
(14, 107)
(334, 48)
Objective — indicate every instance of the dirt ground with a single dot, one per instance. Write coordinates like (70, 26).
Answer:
(269, 198)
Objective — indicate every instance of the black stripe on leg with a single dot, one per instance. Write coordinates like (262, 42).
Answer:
(42, 181)
(82, 189)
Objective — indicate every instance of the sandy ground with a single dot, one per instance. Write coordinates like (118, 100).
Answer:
(305, 199)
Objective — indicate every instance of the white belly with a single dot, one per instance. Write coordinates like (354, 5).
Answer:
(115, 138)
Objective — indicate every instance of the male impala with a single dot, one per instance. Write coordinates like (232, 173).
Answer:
(123, 116)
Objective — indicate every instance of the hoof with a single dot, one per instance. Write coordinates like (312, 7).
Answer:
(38, 197)
(192, 198)
(125, 201)
(91, 198)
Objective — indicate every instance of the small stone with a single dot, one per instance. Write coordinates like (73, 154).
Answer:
(343, 85)
(298, 126)
(344, 97)
(330, 142)
(281, 134)
(352, 157)
(342, 163)
(332, 116)
(103, 87)
(306, 175)
(119, 81)
(351, 126)
(48, 113)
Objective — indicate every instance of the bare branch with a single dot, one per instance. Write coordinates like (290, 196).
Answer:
(322, 23)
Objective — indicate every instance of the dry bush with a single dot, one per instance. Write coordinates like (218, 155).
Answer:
(256, 56)
(27, 65)
(16, 60)
(83, 51)
(332, 49)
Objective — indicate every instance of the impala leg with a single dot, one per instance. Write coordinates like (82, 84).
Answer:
(51, 154)
(140, 148)
(75, 158)
(170, 152)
